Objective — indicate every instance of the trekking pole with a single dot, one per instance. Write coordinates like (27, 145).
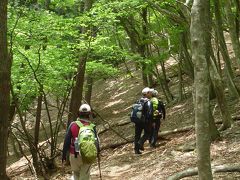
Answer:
(99, 166)
(111, 127)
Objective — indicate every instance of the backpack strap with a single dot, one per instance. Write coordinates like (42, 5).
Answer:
(79, 123)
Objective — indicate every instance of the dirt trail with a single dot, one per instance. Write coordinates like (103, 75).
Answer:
(175, 153)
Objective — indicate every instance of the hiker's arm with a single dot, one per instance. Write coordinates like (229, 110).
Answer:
(150, 110)
(67, 143)
(163, 110)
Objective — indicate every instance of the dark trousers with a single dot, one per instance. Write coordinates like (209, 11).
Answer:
(139, 127)
(154, 132)
(139, 141)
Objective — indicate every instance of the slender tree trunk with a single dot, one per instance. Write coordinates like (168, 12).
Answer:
(164, 81)
(232, 31)
(237, 17)
(14, 146)
(187, 63)
(77, 92)
(150, 79)
(47, 4)
(180, 79)
(38, 120)
(36, 163)
(88, 93)
(159, 79)
(137, 39)
(76, 96)
(143, 46)
(214, 133)
(221, 39)
(5, 73)
(128, 71)
(200, 40)
(221, 99)
(223, 49)
(144, 74)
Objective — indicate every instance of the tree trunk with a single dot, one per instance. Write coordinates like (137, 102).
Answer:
(232, 31)
(187, 63)
(200, 55)
(38, 120)
(14, 146)
(164, 81)
(76, 96)
(142, 46)
(47, 4)
(221, 99)
(159, 79)
(144, 74)
(34, 152)
(138, 40)
(5, 73)
(237, 16)
(214, 133)
(223, 48)
(88, 93)
(77, 91)
(180, 79)
(221, 39)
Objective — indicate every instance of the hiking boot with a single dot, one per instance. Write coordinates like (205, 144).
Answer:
(141, 147)
(137, 151)
(153, 146)
(137, 148)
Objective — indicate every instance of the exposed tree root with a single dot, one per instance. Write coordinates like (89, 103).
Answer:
(164, 133)
(215, 169)
(236, 118)
(184, 129)
(112, 146)
(115, 125)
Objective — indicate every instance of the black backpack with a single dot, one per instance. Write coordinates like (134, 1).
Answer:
(137, 113)
(161, 110)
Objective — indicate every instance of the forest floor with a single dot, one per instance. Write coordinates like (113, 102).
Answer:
(112, 99)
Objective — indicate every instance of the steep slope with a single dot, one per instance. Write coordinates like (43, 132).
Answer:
(175, 152)
(112, 100)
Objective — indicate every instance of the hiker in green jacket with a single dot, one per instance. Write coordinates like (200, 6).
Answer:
(158, 114)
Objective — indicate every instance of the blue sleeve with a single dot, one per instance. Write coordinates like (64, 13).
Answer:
(67, 143)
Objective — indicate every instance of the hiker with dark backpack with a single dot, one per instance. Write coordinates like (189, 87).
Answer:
(82, 142)
(141, 116)
(158, 114)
